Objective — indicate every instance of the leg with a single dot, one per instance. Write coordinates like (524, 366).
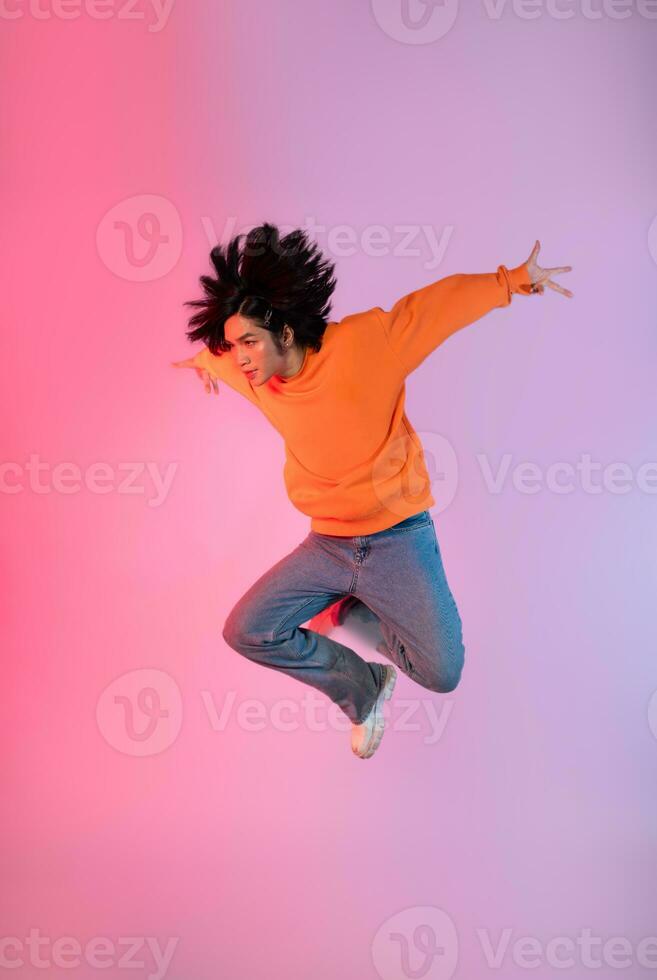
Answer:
(264, 625)
(403, 582)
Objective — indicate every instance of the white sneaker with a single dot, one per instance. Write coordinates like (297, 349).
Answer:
(366, 737)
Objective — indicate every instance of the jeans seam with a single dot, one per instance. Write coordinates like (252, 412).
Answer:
(289, 616)
(427, 520)
(336, 669)
(407, 530)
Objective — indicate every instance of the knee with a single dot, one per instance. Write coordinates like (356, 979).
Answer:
(448, 677)
(446, 682)
(237, 633)
(230, 634)
(248, 629)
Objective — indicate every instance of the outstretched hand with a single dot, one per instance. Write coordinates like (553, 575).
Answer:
(210, 383)
(541, 277)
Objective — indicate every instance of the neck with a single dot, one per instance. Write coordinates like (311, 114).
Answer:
(293, 361)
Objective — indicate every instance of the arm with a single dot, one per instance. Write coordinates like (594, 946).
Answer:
(424, 319)
(223, 367)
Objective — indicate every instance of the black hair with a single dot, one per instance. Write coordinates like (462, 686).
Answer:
(271, 280)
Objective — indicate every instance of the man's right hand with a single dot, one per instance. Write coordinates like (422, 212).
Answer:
(209, 381)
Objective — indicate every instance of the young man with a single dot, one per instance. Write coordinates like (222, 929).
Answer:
(354, 464)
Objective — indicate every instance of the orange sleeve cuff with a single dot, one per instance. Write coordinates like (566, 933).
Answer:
(204, 359)
(520, 279)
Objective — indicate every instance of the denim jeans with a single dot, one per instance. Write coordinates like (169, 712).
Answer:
(397, 574)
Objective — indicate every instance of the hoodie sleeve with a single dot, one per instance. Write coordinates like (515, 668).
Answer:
(423, 319)
(223, 367)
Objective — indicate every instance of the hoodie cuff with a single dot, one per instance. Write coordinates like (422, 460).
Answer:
(203, 359)
(520, 280)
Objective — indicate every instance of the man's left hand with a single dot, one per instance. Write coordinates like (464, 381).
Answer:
(541, 277)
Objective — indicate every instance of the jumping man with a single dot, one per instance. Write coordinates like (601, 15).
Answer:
(354, 464)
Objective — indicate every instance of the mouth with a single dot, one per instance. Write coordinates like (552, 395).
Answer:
(251, 374)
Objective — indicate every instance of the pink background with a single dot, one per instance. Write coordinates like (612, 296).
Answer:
(276, 853)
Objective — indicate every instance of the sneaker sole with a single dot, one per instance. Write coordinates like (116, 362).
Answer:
(379, 721)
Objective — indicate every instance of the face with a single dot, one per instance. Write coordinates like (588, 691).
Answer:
(253, 349)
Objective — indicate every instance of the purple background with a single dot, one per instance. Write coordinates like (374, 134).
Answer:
(275, 853)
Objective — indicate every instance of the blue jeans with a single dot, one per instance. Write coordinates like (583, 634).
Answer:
(397, 573)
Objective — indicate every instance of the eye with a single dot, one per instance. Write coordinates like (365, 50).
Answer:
(250, 342)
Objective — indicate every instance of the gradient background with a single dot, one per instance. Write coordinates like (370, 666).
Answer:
(276, 853)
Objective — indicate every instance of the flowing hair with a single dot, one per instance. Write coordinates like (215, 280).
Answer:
(271, 280)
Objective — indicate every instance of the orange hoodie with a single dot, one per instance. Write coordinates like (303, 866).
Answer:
(354, 463)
